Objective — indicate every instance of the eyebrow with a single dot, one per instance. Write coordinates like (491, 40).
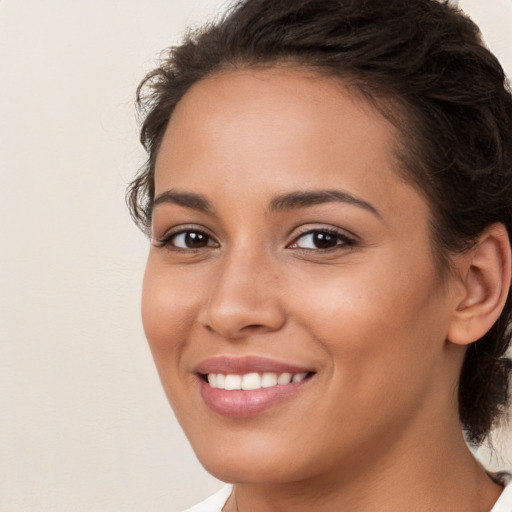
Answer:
(185, 199)
(284, 202)
(304, 199)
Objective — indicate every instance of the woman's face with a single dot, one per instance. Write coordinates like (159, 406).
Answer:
(289, 257)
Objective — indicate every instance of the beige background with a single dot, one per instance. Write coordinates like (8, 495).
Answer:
(84, 425)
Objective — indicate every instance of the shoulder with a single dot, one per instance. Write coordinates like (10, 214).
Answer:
(504, 503)
(214, 503)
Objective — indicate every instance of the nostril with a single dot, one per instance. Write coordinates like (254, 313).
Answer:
(234, 315)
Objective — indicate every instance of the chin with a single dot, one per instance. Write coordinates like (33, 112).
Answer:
(251, 472)
(261, 462)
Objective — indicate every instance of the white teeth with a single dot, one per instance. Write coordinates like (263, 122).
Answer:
(221, 381)
(284, 378)
(268, 380)
(212, 379)
(233, 382)
(251, 381)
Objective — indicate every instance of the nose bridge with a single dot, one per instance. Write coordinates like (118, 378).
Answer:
(245, 297)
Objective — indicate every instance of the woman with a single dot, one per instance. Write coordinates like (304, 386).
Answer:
(328, 195)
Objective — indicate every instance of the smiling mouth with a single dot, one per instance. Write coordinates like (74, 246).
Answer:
(254, 380)
(242, 395)
(241, 387)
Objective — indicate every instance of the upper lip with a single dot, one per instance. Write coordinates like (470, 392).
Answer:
(247, 364)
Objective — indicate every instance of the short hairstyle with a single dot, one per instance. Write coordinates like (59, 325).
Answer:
(422, 63)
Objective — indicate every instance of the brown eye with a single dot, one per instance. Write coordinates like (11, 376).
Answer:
(324, 240)
(320, 239)
(191, 240)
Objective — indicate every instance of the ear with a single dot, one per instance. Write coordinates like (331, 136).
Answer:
(485, 273)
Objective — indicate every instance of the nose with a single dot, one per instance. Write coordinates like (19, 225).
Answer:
(244, 297)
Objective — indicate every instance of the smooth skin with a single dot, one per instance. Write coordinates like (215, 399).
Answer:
(343, 285)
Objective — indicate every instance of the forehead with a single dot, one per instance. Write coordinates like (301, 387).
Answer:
(276, 107)
(280, 126)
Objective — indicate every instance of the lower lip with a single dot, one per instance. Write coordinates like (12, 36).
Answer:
(242, 404)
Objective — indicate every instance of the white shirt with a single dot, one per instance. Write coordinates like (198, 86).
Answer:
(218, 500)
(214, 503)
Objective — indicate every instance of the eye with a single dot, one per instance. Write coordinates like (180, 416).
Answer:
(321, 239)
(187, 240)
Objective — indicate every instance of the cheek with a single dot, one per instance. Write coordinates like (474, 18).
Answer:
(374, 320)
(168, 307)
(377, 331)
(168, 314)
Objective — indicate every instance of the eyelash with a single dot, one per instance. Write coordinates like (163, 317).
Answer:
(166, 240)
(346, 241)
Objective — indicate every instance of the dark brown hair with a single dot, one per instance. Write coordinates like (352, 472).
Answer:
(423, 64)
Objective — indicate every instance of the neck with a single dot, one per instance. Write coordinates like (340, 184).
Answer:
(410, 476)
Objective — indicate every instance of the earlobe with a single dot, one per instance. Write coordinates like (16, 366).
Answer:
(485, 272)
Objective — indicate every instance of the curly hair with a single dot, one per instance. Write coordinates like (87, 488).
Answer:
(422, 63)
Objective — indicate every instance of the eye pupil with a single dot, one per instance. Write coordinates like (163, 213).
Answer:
(194, 240)
(324, 240)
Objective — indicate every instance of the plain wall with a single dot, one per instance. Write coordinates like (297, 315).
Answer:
(84, 423)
